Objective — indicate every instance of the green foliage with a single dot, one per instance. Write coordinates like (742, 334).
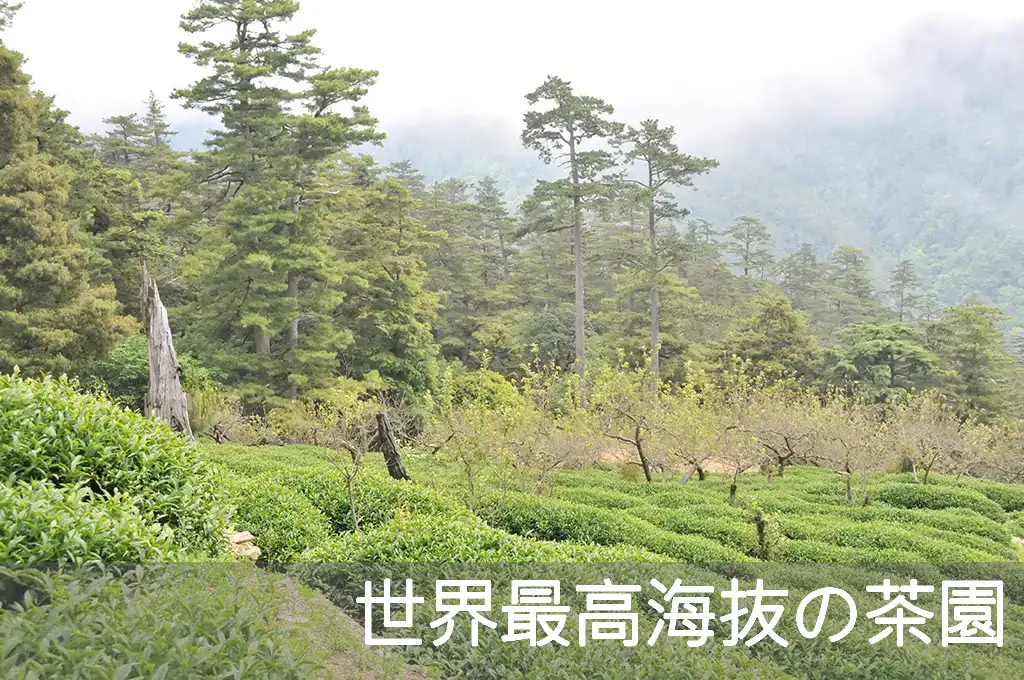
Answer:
(751, 245)
(283, 521)
(50, 432)
(377, 498)
(881, 362)
(41, 523)
(936, 497)
(124, 373)
(937, 547)
(601, 498)
(55, 313)
(774, 340)
(730, 532)
(484, 387)
(159, 622)
(412, 538)
(562, 521)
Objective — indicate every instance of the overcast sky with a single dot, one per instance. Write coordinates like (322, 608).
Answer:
(709, 67)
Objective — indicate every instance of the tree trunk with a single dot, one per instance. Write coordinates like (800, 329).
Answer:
(292, 391)
(655, 299)
(388, 445)
(166, 399)
(577, 234)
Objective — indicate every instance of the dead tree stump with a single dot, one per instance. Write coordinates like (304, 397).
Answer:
(166, 399)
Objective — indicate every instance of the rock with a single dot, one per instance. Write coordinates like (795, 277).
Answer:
(242, 537)
(242, 545)
(1017, 541)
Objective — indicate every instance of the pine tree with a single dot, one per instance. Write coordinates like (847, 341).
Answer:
(53, 315)
(663, 167)
(970, 342)
(561, 133)
(774, 340)
(801, 275)
(751, 245)
(848, 290)
(904, 286)
(7, 12)
(387, 309)
(270, 295)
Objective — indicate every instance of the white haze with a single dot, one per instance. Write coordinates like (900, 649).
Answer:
(712, 69)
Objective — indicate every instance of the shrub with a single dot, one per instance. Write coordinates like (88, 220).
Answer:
(412, 538)
(1009, 496)
(601, 498)
(209, 621)
(124, 374)
(562, 521)
(42, 523)
(881, 536)
(282, 520)
(486, 388)
(48, 431)
(727, 531)
(936, 497)
(819, 551)
(378, 498)
(701, 503)
(959, 520)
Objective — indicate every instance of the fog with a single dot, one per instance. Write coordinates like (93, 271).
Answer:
(712, 69)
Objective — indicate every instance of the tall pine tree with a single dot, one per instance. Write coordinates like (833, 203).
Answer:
(272, 290)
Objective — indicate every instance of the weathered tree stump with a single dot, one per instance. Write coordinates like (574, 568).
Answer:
(387, 443)
(166, 399)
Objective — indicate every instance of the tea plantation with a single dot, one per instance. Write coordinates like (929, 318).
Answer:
(115, 563)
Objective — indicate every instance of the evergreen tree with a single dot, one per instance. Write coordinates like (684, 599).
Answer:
(386, 307)
(663, 167)
(801, 275)
(881, 361)
(904, 286)
(53, 314)
(848, 290)
(7, 12)
(774, 340)
(269, 296)
(560, 133)
(971, 344)
(751, 245)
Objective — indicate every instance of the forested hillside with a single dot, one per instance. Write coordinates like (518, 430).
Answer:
(932, 173)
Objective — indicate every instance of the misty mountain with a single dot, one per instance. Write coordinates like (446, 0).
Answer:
(936, 174)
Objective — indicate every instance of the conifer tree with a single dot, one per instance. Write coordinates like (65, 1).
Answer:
(53, 315)
(270, 294)
(750, 245)
(662, 167)
(904, 286)
(561, 133)
(774, 339)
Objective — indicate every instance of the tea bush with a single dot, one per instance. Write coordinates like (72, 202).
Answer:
(563, 521)
(601, 498)
(282, 520)
(414, 538)
(881, 536)
(378, 498)
(798, 550)
(960, 520)
(936, 497)
(42, 523)
(159, 622)
(50, 432)
(727, 531)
